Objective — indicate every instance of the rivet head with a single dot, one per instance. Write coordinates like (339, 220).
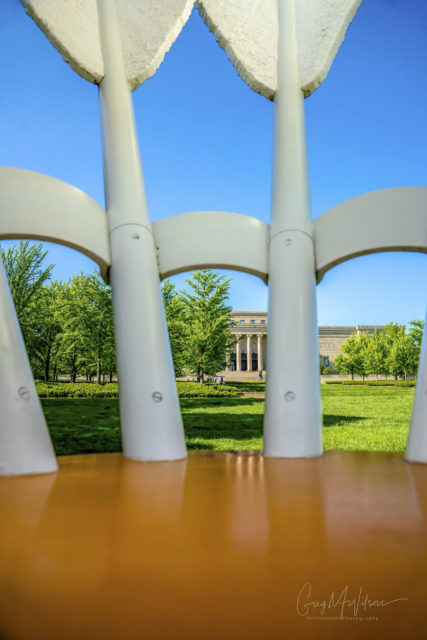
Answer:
(157, 396)
(288, 241)
(24, 393)
(135, 235)
(289, 396)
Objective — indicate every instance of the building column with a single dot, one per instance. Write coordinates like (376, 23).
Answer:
(238, 353)
(248, 353)
(259, 350)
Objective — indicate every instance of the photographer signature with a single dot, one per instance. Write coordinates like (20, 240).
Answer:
(340, 606)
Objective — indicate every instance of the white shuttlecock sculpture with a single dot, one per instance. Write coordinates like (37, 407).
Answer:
(283, 49)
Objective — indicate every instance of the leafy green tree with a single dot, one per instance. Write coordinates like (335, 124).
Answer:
(73, 344)
(66, 327)
(45, 333)
(27, 275)
(402, 359)
(88, 326)
(208, 320)
(392, 331)
(416, 334)
(353, 359)
(377, 352)
(173, 304)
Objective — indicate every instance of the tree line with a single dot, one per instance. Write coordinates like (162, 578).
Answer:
(395, 351)
(68, 327)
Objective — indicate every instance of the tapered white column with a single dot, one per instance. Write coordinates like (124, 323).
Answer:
(292, 426)
(416, 449)
(238, 368)
(248, 353)
(259, 352)
(25, 445)
(149, 409)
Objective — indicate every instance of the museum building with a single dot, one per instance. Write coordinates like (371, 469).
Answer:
(250, 332)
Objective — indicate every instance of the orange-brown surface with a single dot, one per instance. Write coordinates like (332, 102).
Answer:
(222, 545)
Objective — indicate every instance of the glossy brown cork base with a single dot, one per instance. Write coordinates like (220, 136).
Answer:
(222, 545)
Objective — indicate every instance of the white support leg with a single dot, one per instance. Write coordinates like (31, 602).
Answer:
(150, 415)
(25, 445)
(416, 448)
(293, 415)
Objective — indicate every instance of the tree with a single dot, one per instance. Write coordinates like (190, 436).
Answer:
(173, 304)
(377, 353)
(23, 265)
(353, 358)
(416, 334)
(46, 331)
(208, 321)
(403, 356)
(88, 326)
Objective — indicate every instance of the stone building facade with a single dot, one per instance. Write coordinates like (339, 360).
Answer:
(250, 331)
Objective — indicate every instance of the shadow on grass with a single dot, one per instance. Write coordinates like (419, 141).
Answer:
(188, 403)
(92, 425)
(341, 421)
(247, 386)
(83, 425)
(204, 426)
(193, 444)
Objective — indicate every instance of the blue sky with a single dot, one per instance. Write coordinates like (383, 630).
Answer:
(206, 141)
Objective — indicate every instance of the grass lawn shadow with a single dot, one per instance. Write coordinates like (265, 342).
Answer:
(340, 421)
(376, 420)
(252, 386)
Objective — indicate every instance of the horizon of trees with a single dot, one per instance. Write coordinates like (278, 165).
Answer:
(392, 352)
(68, 328)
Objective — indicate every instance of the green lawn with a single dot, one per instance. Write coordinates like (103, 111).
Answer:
(366, 418)
(355, 418)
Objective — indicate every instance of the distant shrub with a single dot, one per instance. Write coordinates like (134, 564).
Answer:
(77, 390)
(375, 383)
(250, 386)
(111, 390)
(199, 390)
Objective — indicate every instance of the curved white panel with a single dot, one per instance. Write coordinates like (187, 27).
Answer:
(386, 220)
(36, 206)
(214, 239)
